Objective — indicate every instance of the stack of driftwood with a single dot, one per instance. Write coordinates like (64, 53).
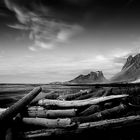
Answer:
(36, 116)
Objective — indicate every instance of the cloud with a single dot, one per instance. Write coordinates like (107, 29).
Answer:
(44, 45)
(32, 48)
(41, 45)
(64, 67)
(18, 26)
(59, 21)
(119, 56)
(45, 29)
(48, 66)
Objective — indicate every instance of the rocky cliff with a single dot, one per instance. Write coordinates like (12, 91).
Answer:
(130, 71)
(92, 77)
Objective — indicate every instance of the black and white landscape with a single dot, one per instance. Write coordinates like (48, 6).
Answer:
(69, 68)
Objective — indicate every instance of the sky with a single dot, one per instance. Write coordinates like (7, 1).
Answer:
(44, 41)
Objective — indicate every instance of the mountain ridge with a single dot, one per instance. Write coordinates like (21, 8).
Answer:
(130, 71)
(92, 77)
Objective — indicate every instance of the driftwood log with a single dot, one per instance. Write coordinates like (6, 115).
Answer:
(52, 95)
(112, 123)
(2, 110)
(35, 108)
(13, 110)
(105, 114)
(99, 125)
(52, 113)
(95, 94)
(41, 95)
(96, 108)
(49, 123)
(86, 96)
(90, 110)
(79, 103)
(74, 95)
(9, 134)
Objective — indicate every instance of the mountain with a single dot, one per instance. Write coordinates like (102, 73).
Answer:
(92, 77)
(130, 71)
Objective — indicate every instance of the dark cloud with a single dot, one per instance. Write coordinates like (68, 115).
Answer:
(72, 10)
(4, 11)
(83, 12)
(55, 21)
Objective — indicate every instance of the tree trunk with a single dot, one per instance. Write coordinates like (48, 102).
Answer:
(41, 95)
(75, 95)
(2, 110)
(105, 114)
(79, 103)
(52, 113)
(112, 123)
(49, 123)
(35, 108)
(90, 110)
(13, 110)
(9, 134)
(100, 125)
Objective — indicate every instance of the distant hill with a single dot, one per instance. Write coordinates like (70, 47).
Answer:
(92, 77)
(130, 71)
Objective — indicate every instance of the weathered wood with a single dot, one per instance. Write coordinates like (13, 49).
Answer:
(99, 125)
(74, 95)
(108, 105)
(52, 113)
(90, 110)
(52, 95)
(83, 97)
(41, 95)
(79, 103)
(112, 123)
(9, 134)
(105, 114)
(45, 133)
(49, 123)
(35, 108)
(97, 93)
(2, 110)
(13, 110)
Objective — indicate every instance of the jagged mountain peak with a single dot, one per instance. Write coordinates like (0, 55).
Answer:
(135, 60)
(130, 71)
(91, 77)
